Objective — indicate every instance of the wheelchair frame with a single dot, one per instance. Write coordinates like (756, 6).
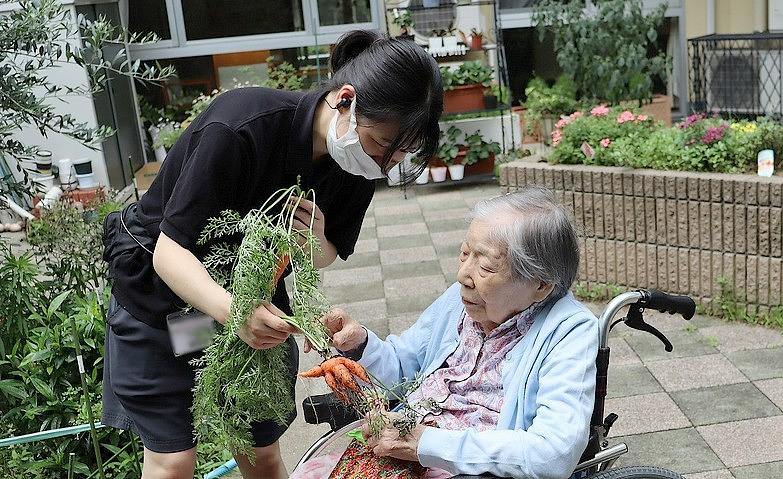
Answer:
(599, 456)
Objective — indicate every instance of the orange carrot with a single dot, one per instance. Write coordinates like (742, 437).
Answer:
(355, 368)
(332, 383)
(282, 264)
(342, 375)
(315, 372)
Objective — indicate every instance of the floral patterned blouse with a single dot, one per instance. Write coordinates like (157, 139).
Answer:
(468, 391)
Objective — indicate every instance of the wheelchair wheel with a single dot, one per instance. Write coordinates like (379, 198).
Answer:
(637, 472)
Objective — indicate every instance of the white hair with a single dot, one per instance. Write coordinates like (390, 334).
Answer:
(541, 240)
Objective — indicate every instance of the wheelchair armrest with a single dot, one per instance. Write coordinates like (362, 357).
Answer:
(326, 408)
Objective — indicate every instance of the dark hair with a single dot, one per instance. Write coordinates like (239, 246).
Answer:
(395, 80)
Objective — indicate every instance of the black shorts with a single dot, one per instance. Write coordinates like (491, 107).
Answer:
(149, 390)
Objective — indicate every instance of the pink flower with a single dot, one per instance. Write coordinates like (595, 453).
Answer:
(625, 116)
(714, 134)
(606, 142)
(575, 115)
(562, 122)
(690, 120)
(600, 110)
(642, 118)
(557, 135)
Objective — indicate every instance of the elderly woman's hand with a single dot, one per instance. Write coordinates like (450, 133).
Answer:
(347, 334)
(389, 443)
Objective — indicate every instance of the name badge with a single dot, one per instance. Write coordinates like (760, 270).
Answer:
(190, 331)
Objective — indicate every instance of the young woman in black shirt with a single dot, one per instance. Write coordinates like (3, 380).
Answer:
(383, 101)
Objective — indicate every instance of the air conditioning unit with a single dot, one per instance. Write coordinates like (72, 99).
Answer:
(744, 81)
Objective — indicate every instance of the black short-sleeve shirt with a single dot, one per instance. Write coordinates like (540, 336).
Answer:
(248, 144)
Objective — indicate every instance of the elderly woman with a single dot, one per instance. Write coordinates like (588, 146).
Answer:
(507, 353)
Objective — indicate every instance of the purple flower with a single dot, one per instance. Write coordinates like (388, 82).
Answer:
(714, 134)
(690, 120)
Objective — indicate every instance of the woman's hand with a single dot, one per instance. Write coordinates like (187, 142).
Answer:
(264, 328)
(346, 333)
(389, 443)
(305, 212)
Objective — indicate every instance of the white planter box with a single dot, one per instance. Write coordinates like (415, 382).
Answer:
(490, 128)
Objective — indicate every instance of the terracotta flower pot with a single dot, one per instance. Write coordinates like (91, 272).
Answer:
(463, 98)
(482, 167)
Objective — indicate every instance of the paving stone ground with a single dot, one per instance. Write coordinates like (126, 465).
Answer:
(711, 409)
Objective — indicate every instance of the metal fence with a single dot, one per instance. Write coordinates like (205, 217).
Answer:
(737, 75)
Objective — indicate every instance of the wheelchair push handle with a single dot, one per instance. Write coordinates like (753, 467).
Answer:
(660, 301)
(669, 303)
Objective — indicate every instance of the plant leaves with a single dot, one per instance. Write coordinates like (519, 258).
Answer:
(13, 388)
(56, 302)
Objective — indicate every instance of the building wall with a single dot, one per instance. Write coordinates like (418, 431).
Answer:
(731, 16)
(80, 107)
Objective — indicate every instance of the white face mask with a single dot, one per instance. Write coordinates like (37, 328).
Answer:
(347, 150)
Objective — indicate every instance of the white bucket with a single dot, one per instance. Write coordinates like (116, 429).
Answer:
(46, 182)
(424, 177)
(457, 172)
(67, 173)
(439, 173)
(86, 181)
(83, 166)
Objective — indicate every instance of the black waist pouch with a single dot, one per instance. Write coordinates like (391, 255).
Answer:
(124, 235)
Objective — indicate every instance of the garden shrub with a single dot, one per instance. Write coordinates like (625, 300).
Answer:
(616, 137)
(41, 293)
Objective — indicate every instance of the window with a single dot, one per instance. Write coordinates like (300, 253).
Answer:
(149, 16)
(234, 18)
(341, 12)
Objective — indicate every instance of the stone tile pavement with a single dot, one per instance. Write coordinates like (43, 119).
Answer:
(711, 409)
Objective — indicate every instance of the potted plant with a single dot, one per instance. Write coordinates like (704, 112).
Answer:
(545, 104)
(448, 150)
(451, 153)
(448, 38)
(476, 39)
(464, 87)
(404, 20)
(614, 68)
(480, 155)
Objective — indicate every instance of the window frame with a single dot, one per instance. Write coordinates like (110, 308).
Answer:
(313, 34)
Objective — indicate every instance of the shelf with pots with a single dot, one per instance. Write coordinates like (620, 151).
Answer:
(474, 156)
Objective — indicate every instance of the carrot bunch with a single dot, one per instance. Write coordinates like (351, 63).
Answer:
(339, 373)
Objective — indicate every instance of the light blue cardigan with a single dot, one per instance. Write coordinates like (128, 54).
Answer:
(548, 382)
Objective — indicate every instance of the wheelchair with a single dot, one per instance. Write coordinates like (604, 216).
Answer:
(598, 458)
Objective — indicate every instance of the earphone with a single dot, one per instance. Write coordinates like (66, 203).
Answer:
(345, 103)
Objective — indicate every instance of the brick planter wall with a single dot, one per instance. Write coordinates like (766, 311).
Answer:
(676, 231)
